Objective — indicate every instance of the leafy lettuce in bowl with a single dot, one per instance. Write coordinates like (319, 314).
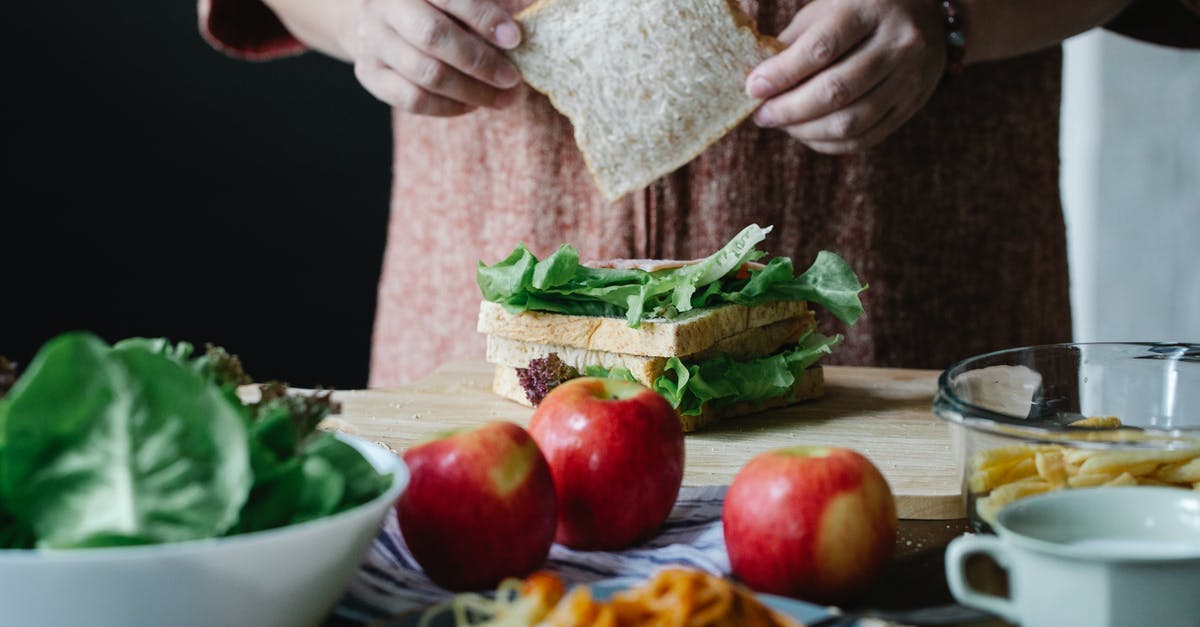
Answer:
(137, 489)
(143, 443)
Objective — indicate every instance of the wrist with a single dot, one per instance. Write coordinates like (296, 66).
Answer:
(347, 30)
(326, 26)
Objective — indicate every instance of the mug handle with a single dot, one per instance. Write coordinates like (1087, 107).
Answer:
(956, 558)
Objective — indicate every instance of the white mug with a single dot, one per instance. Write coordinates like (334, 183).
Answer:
(1094, 557)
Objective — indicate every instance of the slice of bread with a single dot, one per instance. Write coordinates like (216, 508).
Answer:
(647, 84)
(749, 344)
(688, 334)
(812, 385)
(503, 351)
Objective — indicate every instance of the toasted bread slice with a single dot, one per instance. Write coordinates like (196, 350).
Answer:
(648, 84)
(812, 385)
(687, 334)
(503, 351)
(748, 344)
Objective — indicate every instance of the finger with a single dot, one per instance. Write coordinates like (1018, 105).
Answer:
(863, 124)
(818, 47)
(484, 17)
(856, 120)
(830, 90)
(391, 53)
(438, 35)
(804, 19)
(439, 78)
(393, 89)
(886, 125)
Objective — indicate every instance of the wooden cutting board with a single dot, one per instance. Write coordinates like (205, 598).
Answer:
(883, 413)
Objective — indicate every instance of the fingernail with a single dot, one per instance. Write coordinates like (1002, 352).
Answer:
(758, 86)
(508, 35)
(507, 76)
(763, 117)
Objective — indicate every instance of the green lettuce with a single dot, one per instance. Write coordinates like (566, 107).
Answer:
(142, 443)
(117, 446)
(721, 380)
(561, 284)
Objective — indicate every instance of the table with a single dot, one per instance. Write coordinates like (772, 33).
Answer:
(883, 413)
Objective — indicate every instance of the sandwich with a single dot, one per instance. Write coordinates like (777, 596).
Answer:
(719, 337)
(647, 84)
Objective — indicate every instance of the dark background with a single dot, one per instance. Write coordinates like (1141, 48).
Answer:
(155, 187)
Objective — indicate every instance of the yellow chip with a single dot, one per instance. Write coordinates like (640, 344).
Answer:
(985, 479)
(1119, 461)
(987, 507)
(981, 481)
(1009, 473)
(1098, 422)
(1122, 479)
(1084, 480)
(995, 456)
(1076, 456)
(1050, 466)
(1180, 472)
(1138, 470)
(1010, 492)
(1021, 470)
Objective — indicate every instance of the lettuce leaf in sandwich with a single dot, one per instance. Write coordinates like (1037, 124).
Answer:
(735, 274)
(561, 284)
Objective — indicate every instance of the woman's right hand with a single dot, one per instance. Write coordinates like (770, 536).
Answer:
(436, 57)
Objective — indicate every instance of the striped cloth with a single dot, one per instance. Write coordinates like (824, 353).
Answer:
(390, 581)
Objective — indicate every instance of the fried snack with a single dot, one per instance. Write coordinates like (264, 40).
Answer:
(579, 608)
(1180, 472)
(991, 504)
(1002, 475)
(1051, 467)
(517, 603)
(1133, 462)
(1099, 422)
(691, 598)
(675, 597)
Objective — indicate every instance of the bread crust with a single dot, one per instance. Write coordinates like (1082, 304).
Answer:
(688, 334)
(750, 344)
(744, 21)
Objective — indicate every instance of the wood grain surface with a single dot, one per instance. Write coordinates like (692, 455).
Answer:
(883, 413)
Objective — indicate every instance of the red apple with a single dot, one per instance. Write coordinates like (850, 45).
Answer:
(615, 450)
(479, 506)
(813, 523)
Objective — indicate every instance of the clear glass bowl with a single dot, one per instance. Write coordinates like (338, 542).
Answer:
(1042, 418)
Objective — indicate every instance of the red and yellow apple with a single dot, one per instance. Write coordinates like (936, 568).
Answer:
(615, 450)
(479, 506)
(814, 523)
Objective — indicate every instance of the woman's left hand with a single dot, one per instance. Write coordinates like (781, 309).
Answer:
(852, 73)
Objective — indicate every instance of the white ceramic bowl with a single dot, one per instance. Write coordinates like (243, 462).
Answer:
(288, 576)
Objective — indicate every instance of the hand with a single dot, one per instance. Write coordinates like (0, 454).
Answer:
(436, 57)
(853, 71)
